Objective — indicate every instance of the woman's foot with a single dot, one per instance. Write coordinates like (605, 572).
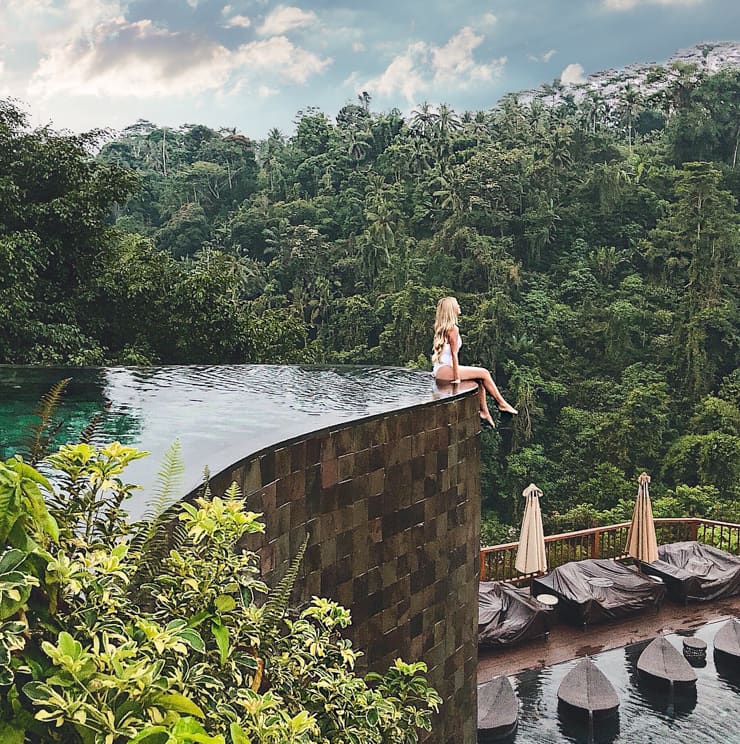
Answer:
(507, 408)
(487, 420)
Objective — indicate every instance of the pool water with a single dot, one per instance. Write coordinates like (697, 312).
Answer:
(646, 715)
(219, 414)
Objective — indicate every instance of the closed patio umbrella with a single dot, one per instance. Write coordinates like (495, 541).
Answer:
(642, 543)
(531, 557)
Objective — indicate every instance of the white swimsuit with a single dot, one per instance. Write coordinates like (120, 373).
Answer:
(445, 358)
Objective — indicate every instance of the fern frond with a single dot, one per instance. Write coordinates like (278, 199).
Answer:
(206, 492)
(92, 428)
(277, 604)
(159, 531)
(169, 482)
(37, 439)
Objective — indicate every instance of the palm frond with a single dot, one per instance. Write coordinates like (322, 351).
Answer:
(277, 604)
(37, 439)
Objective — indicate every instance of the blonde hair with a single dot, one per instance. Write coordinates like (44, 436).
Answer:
(444, 322)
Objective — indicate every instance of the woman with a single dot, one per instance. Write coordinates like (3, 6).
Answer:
(446, 345)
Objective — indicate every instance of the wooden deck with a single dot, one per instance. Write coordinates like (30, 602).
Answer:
(567, 642)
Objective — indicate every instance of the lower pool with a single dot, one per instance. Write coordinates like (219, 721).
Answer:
(646, 715)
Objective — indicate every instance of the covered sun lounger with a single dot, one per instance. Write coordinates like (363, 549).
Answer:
(697, 572)
(594, 590)
(508, 615)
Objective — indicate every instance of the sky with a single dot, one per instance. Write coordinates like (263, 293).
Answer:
(253, 64)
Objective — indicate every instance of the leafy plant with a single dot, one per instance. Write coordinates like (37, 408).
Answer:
(202, 661)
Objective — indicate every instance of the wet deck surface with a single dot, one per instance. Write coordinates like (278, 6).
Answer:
(567, 642)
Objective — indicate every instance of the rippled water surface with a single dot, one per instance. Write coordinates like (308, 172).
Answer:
(219, 414)
(645, 715)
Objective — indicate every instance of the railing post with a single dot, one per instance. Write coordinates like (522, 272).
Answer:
(482, 572)
(694, 530)
(596, 545)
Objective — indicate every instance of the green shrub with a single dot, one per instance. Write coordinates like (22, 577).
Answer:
(96, 650)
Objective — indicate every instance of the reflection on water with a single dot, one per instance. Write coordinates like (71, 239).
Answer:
(220, 414)
(646, 714)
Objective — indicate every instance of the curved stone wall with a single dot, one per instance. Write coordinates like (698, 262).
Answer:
(392, 507)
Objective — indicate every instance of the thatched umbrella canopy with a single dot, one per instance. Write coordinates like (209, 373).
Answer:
(642, 543)
(531, 557)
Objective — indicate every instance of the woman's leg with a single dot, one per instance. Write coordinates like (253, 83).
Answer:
(478, 373)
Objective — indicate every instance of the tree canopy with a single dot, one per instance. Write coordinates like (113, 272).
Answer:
(593, 244)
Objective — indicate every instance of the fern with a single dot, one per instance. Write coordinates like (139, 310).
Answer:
(38, 438)
(159, 531)
(92, 428)
(277, 604)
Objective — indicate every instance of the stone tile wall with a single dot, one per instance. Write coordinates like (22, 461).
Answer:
(392, 507)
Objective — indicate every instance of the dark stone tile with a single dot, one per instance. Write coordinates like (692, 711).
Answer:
(415, 625)
(282, 463)
(328, 449)
(344, 441)
(375, 603)
(345, 544)
(375, 506)
(313, 450)
(329, 473)
(345, 466)
(312, 558)
(328, 580)
(298, 457)
(267, 468)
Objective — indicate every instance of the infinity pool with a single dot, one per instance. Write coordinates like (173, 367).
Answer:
(645, 716)
(219, 414)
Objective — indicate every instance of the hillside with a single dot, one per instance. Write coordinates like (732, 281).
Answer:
(593, 245)
(651, 79)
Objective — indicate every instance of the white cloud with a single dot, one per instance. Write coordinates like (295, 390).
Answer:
(572, 74)
(402, 74)
(280, 55)
(265, 91)
(286, 18)
(423, 66)
(358, 46)
(488, 19)
(546, 57)
(240, 21)
(139, 59)
(629, 4)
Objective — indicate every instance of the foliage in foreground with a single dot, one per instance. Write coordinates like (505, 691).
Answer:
(95, 650)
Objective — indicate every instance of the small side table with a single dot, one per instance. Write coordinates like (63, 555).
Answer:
(551, 602)
(695, 651)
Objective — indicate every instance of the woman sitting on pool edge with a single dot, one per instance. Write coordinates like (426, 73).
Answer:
(445, 347)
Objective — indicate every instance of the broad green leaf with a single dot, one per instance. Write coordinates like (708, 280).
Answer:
(180, 703)
(225, 603)
(38, 692)
(193, 639)
(221, 634)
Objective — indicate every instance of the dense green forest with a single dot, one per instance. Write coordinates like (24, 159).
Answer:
(594, 246)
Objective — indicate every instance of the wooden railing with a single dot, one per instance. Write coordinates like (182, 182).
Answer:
(497, 562)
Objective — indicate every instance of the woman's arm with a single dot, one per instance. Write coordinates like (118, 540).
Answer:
(452, 338)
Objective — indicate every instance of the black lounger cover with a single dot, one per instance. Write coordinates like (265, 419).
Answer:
(694, 571)
(509, 615)
(587, 602)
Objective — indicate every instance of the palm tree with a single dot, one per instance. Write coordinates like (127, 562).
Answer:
(358, 145)
(423, 118)
(630, 101)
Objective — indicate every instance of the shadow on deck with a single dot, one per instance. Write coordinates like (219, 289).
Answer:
(567, 642)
